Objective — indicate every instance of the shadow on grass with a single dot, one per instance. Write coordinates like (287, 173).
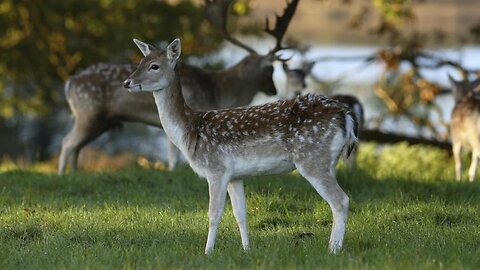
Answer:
(361, 187)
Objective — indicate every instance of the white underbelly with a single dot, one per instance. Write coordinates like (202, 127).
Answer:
(251, 166)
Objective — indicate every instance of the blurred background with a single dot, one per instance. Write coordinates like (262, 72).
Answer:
(394, 55)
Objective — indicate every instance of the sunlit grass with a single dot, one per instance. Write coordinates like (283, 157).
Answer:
(90, 159)
(406, 212)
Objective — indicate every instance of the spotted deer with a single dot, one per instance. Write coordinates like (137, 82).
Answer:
(465, 124)
(308, 133)
(98, 101)
(295, 84)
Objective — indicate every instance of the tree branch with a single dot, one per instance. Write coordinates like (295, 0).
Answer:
(375, 135)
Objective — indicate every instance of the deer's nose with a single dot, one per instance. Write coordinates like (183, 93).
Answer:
(126, 83)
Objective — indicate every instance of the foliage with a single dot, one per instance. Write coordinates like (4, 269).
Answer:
(147, 219)
(402, 87)
(406, 161)
(43, 42)
(393, 14)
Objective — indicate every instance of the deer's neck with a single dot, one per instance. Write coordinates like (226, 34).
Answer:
(174, 113)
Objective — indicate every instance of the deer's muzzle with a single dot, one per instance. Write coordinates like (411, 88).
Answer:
(132, 87)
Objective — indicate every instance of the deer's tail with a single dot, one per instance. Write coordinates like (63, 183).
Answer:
(351, 132)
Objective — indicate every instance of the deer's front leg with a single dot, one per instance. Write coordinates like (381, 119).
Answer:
(217, 189)
(239, 206)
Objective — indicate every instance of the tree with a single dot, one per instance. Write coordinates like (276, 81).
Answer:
(43, 42)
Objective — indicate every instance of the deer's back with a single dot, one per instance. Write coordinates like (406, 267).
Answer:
(97, 93)
(278, 131)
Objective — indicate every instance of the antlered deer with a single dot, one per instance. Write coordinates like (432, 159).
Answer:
(465, 124)
(98, 101)
(296, 84)
(308, 133)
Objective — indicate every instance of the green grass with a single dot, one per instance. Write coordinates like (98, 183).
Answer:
(406, 212)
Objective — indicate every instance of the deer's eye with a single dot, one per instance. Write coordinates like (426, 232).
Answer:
(154, 67)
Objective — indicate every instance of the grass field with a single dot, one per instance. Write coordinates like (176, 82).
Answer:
(406, 212)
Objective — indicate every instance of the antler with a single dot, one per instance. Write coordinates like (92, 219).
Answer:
(281, 24)
(216, 12)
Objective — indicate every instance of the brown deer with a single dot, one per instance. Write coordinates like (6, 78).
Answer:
(308, 133)
(465, 125)
(296, 84)
(98, 101)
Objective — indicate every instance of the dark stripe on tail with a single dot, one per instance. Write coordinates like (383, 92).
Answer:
(351, 142)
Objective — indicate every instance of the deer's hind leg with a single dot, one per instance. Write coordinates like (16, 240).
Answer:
(83, 131)
(473, 166)
(322, 178)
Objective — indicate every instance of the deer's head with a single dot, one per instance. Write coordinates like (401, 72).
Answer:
(157, 70)
(462, 88)
(257, 68)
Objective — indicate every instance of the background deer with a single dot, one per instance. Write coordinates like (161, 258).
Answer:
(296, 85)
(465, 124)
(308, 133)
(98, 101)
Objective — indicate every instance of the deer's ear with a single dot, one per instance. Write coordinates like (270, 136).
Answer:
(174, 50)
(145, 48)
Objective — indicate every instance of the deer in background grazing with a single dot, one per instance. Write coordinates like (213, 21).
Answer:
(296, 84)
(465, 124)
(98, 101)
(308, 133)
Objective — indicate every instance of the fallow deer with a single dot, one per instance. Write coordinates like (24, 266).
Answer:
(465, 124)
(296, 84)
(98, 101)
(308, 133)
